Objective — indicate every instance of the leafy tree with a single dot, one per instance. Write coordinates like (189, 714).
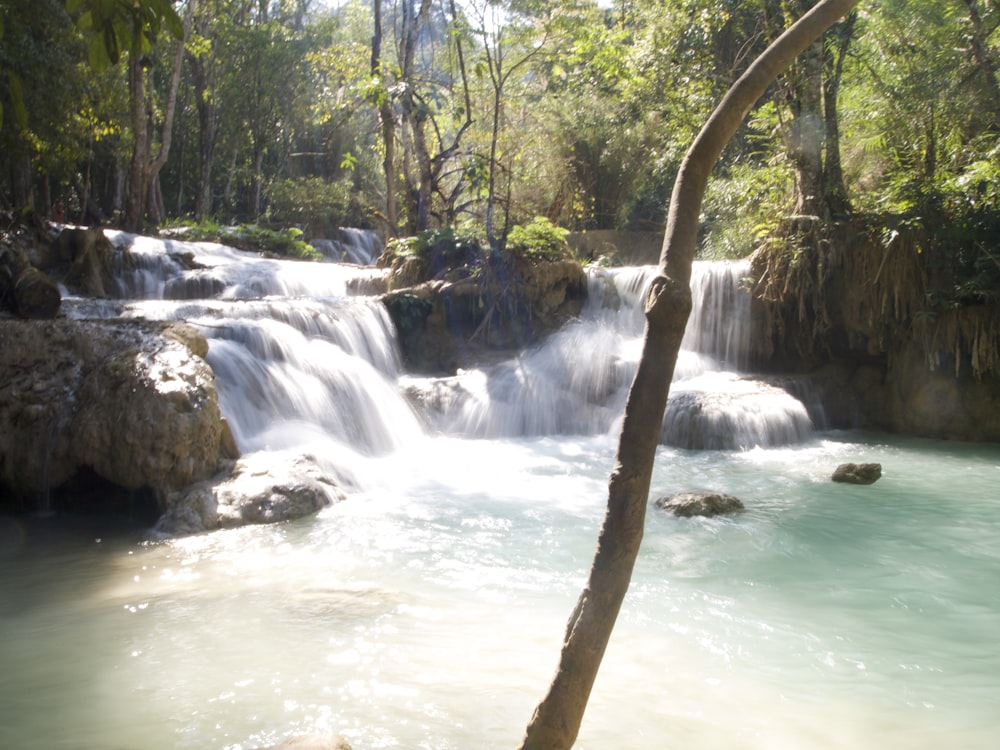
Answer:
(41, 90)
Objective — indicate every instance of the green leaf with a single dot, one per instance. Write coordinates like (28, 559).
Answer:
(350, 161)
(72, 6)
(17, 99)
(97, 54)
(111, 45)
(174, 24)
(164, 10)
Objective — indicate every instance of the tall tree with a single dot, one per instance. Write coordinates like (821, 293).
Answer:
(556, 721)
(387, 121)
(144, 197)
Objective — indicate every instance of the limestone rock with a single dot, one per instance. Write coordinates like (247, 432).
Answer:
(460, 308)
(125, 399)
(279, 488)
(857, 473)
(24, 290)
(687, 504)
(36, 295)
(81, 257)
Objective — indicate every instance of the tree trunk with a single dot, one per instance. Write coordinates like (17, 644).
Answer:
(556, 721)
(156, 206)
(806, 136)
(413, 118)
(138, 181)
(388, 126)
(207, 125)
(21, 183)
(145, 167)
(834, 187)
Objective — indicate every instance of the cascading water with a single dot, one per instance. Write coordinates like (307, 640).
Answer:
(426, 610)
(305, 359)
(578, 380)
(358, 246)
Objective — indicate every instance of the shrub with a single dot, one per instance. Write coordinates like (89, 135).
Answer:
(286, 243)
(539, 240)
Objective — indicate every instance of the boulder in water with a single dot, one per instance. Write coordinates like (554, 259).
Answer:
(688, 504)
(857, 473)
(282, 489)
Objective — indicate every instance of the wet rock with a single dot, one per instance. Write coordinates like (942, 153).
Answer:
(458, 309)
(282, 489)
(687, 504)
(24, 290)
(36, 295)
(124, 399)
(857, 473)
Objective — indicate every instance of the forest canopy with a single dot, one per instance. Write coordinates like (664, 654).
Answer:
(408, 115)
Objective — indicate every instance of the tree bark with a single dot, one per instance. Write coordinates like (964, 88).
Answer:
(807, 133)
(387, 124)
(413, 116)
(834, 187)
(207, 126)
(156, 206)
(556, 721)
(138, 182)
(145, 167)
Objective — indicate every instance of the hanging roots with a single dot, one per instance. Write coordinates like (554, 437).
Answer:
(872, 283)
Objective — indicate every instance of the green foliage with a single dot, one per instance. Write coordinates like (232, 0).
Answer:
(443, 248)
(115, 27)
(539, 240)
(408, 311)
(309, 200)
(743, 207)
(286, 243)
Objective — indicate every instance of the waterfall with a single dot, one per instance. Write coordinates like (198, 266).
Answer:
(719, 326)
(296, 356)
(299, 353)
(358, 246)
(577, 381)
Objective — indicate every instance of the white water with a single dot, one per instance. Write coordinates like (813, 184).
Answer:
(426, 610)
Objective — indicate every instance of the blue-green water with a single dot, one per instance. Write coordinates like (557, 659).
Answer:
(427, 611)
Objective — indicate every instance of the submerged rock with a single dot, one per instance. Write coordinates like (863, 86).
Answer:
(857, 473)
(687, 504)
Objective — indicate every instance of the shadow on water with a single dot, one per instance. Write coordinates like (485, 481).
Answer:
(37, 550)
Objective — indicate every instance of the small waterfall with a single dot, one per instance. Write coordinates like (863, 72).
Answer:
(296, 358)
(719, 326)
(358, 246)
(723, 411)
